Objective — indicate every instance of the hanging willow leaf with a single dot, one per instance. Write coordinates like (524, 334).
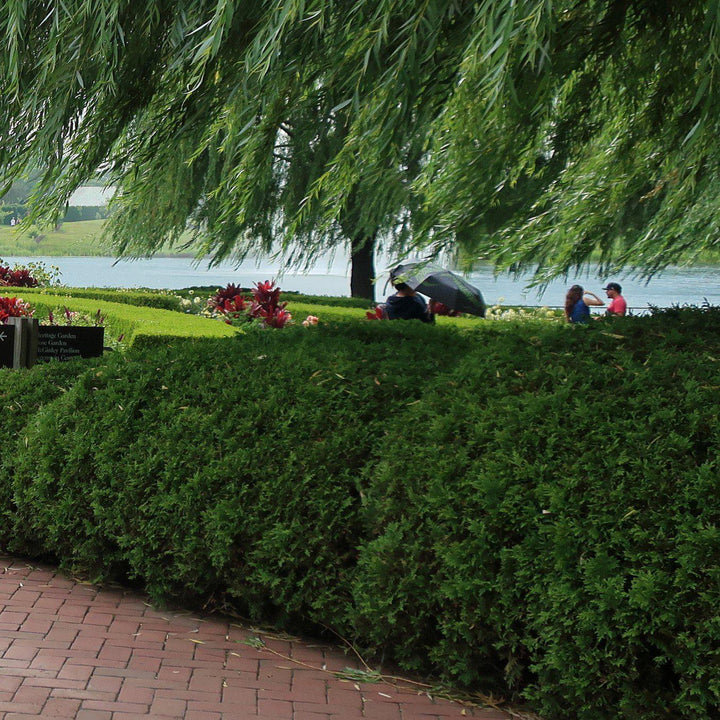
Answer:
(529, 133)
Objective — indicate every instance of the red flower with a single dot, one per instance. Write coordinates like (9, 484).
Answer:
(20, 277)
(234, 306)
(13, 307)
(267, 295)
(377, 314)
(276, 318)
(231, 293)
(265, 304)
(438, 308)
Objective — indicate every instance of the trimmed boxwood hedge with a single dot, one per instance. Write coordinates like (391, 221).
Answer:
(123, 320)
(143, 298)
(289, 295)
(528, 508)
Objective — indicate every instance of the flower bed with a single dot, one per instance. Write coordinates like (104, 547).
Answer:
(263, 306)
(13, 307)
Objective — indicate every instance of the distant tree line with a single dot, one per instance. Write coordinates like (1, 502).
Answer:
(16, 203)
(13, 213)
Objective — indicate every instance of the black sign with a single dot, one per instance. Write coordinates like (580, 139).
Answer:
(7, 345)
(56, 342)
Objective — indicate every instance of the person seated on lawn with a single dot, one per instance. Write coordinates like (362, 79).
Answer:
(617, 305)
(576, 304)
(406, 304)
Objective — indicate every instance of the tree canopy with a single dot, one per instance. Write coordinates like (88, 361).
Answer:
(529, 133)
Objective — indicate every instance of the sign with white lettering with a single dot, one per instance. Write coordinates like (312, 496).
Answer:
(7, 345)
(57, 342)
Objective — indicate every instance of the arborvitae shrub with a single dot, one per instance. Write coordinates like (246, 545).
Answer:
(527, 508)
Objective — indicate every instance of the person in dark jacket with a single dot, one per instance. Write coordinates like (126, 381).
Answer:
(406, 304)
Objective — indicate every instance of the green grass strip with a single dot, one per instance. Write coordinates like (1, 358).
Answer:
(131, 321)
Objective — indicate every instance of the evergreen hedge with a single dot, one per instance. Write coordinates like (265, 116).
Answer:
(121, 318)
(142, 298)
(530, 506)
(172, 299)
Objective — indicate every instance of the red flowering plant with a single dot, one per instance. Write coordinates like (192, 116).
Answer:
(266, 295)
(267, 307)
(379, 313)
(438, 308)
(264, 306)
(33, 274)
(274, 318)
(231, 294)
(235, 307)
(16, 277)
(13, 307)
(229, 303)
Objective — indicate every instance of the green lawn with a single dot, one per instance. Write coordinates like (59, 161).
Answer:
(77, 238)
(122, 319)
(70, 239)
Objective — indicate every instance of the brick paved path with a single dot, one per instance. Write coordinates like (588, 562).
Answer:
(72, 650)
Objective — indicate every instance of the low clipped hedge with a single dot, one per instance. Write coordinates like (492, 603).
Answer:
(530, 508)
(142, 298)
(132, 323)
(172, 300)
(289, 295)
(551, 514)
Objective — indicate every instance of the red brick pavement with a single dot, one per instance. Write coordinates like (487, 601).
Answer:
(73, 650)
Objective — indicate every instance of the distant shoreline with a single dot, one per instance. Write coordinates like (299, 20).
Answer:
(81, 239)
(9, 254)
(71, 239)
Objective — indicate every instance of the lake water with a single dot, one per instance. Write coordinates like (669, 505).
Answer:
(675, 286)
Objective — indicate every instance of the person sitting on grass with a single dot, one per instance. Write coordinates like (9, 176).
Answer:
(406, 304)
(576, 304)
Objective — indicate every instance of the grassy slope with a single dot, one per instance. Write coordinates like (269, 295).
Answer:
(79, 238)
(127, 320)
(71, 239)
(135, 318)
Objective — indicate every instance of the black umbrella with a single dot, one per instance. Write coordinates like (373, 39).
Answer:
(440, 284)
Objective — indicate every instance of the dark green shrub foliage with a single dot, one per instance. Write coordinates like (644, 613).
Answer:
(193, 506)
(564, 527)
(532, 506)
(24, 396)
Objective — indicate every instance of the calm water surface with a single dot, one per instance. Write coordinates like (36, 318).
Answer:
(675, 286)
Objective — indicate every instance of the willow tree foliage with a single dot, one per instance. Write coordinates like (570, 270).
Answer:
(527, 132)
(583, 130)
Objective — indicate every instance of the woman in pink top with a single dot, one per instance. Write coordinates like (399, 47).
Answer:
(617, 305)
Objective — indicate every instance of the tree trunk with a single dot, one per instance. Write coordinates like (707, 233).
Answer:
(362, 267)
